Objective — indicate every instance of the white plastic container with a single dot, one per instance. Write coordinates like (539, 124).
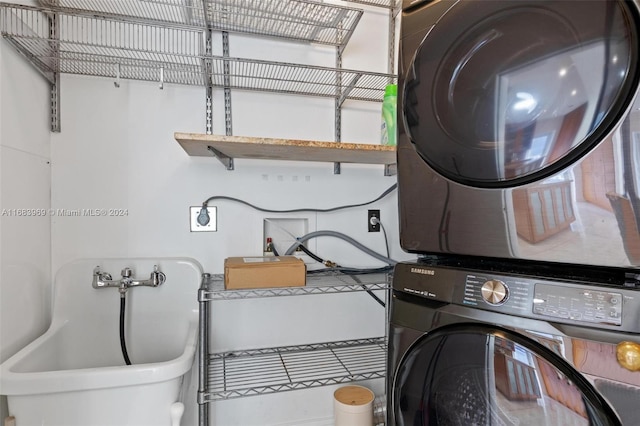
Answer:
(353, 406)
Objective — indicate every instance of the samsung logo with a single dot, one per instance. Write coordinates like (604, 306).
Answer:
(423, 271)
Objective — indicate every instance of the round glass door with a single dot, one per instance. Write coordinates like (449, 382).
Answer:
(503, 93)
(479, 376)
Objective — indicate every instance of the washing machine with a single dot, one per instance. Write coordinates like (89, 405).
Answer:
(471, 344)
(519, 192)
(519, 134)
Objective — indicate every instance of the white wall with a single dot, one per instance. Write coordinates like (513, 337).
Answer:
(25, 183)
(117, 151)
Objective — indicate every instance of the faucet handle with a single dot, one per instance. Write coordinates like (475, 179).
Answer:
(126, 273)
(157, 277)
(100, 277)
(97, 273)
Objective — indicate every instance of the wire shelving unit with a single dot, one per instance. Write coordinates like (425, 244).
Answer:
(240, 373)
(237, 374)
(321, 283)
(293, 20)
(103, 47)
(169, 41)
(145, 38)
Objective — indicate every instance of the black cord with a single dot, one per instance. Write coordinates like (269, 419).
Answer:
(376, 298)
(332, 209)
(123, 344)
(353, 272)
(386, 239)
(311, 254)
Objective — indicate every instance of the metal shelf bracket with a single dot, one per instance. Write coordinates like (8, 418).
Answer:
(227, 161)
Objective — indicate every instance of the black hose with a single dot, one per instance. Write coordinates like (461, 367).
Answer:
(123, 344)
(339, 268)
(311, 254)
(376, 298)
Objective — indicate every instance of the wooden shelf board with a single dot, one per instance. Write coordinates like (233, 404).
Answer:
(196, 144)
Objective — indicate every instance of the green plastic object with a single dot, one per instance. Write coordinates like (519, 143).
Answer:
(389, 108)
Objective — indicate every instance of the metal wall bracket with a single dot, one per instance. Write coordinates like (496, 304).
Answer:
(338, 105)
(54, 34)
(390, 169)
(55, 104)
(207, 66)
(227, 82)
(227, 161)
(349, 88)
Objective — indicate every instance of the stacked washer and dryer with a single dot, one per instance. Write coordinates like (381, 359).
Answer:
(519, 193)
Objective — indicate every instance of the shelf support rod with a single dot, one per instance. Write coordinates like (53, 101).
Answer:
(54, 36)
(393, 10)
(207, 70)
(203, 352)
(338, 105)
(207, 65)
(227, 82)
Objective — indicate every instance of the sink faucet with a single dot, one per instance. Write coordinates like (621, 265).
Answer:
(103, 279)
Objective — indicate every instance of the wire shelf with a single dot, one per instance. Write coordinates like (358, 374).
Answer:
(104, 47)
(187, 13)
(387, 4)
(320, 283)
(299, 79)
(256, 372)
(109, 47)
(294, 20)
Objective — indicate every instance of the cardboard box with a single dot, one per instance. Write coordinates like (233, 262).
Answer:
(264, 272)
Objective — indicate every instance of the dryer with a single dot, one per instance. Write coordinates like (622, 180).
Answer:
(518, 135)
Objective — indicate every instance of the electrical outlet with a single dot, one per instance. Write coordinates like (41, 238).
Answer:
(375, 226)
(196, 226)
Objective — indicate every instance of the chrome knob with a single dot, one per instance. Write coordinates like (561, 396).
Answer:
(126, 273)
(494, 292)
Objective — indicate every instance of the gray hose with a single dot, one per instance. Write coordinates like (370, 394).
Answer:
(344, 237)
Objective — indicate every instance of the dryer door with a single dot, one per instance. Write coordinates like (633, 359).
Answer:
(465, 375)
(504, 93)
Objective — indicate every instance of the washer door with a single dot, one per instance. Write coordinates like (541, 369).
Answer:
(466, 375)
(503, 93)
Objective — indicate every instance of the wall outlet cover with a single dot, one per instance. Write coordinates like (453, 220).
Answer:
(373, 226)
(195, 226)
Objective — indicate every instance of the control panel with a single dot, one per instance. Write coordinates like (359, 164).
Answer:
(524, 296)
(580, 304)
(511, 294)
